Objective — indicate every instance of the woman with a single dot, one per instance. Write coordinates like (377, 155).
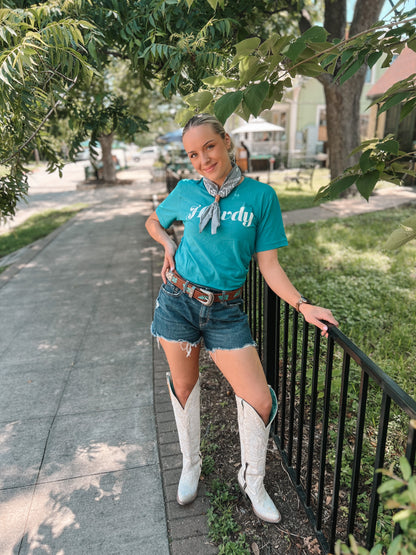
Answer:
(227, 218)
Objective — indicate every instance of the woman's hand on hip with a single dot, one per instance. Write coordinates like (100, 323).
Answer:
(169, 261)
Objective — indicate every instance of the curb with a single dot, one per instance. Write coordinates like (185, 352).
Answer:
(187, 525)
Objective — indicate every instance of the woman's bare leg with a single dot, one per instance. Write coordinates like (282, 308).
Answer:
(243, 371)
(184, 367)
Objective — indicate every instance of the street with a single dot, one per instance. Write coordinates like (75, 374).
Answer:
(47, 191)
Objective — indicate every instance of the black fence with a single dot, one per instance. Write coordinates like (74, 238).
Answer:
(340, 418)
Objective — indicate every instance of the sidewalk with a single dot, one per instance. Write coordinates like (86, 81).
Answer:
(382, 199)
(89, 460)
(79, 462)
(89, 456)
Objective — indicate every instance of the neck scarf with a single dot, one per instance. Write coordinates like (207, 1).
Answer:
(212, 212)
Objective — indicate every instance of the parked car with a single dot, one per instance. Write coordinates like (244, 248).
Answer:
(149, 153)
(85, 154)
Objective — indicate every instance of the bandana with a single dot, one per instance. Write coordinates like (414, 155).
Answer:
(212, 212)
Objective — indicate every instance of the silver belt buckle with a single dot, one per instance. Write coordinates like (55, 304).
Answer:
(210, 299)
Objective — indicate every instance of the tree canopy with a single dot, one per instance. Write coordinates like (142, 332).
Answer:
(55, 52)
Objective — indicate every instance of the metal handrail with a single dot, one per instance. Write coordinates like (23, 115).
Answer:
(292, 362)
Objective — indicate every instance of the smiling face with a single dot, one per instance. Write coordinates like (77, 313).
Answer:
(208, 152)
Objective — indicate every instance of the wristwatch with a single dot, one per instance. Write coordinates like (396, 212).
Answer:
(302, 300)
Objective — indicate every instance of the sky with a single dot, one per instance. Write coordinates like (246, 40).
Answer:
(408, 5)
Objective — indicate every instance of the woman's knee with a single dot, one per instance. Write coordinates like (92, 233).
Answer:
(261, 403)
(264, 407)
(183, 388)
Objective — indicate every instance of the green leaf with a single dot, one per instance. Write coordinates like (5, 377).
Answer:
(295, 49)
(268, 45)
(366, 183)
(243, 111)
(412, 488)
(199, 100)
(310, 69)
(281, 44)
(335, 188)
(394, 547)
(247, 46)
(395, 99)
(182, 116)
(248, 67)
(213, 4)
(373, 58)
(390, 146)
(276, 91)
(347, 55)
(227, 104)
(401, 515)
(363, 145)
(365, 161)
(407, 108)
(404, 463)
(315, 34)
(389, 486)
(412, 44)
(267, 104)
(353, 68)
(220, 81)
(254, 97)
(410, 222)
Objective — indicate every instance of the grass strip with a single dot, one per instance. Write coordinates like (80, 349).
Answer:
(36, 227)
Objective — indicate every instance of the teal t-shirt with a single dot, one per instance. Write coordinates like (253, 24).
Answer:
(251, 221)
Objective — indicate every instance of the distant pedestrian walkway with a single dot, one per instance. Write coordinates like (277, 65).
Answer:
(344, 207)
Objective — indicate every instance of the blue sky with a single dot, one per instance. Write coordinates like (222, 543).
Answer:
(408, 5)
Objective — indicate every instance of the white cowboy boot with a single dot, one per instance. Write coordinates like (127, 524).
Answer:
(254, 436)
(188, 425)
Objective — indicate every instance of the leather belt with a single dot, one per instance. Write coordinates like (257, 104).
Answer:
(204, 296)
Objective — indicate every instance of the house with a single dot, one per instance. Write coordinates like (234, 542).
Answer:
(302, 116)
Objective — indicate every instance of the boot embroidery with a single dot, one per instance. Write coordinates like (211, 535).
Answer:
(244, 475)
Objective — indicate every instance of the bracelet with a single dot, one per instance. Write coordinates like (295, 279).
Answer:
(302, 300)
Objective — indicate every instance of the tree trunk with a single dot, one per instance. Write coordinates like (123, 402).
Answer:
(343, 102)
(343, 121)
(109, 170)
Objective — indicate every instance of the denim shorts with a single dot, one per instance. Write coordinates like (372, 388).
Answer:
(179, 318)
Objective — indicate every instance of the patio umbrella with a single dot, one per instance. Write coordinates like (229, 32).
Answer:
(257, 125)
(171, 137)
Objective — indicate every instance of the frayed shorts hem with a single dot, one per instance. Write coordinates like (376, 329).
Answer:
(214, 349)
(188, 346)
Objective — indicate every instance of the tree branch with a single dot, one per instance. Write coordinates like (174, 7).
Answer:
(38, 128)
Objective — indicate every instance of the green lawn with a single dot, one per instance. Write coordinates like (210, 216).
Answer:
(293, 194)
(297, 192)
(35, 228)
(341, 264)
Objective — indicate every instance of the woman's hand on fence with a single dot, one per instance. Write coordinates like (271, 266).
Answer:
(318, 316)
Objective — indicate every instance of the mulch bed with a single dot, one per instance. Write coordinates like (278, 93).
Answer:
(293, 535)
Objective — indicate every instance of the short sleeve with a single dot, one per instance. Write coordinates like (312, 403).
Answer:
(169, 210)
(270, 230)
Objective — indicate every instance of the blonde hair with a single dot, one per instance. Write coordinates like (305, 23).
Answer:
(209, 119)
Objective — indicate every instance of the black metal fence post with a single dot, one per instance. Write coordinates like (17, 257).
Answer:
(313, 428)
